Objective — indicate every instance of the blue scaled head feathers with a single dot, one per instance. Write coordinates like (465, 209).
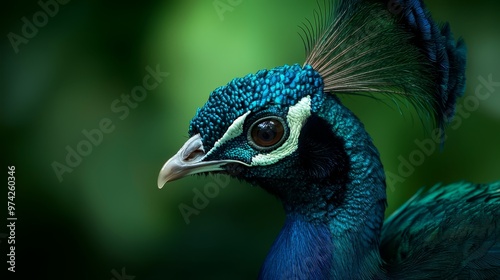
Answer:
(252, 121)
(278, 88)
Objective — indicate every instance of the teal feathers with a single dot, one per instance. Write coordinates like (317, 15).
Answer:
(457, 225)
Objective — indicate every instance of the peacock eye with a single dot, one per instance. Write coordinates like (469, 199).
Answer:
(266, 133)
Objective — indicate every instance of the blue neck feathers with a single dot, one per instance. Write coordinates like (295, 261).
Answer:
(333, 224)
(303, 250)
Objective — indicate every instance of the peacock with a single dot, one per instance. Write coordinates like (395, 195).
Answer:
(286, 131)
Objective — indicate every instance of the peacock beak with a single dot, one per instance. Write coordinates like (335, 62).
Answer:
(189, 161)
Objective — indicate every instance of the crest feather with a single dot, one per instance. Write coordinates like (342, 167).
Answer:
(387, 47)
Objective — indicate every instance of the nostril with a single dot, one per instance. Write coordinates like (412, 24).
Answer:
(197, 154)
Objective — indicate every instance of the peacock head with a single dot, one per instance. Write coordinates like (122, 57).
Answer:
(285, 129)
(264, 128)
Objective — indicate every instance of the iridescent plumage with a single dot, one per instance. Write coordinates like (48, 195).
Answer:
(285, 130)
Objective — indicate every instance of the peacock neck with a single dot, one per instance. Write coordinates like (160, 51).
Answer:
(332, 229)
(345, 246)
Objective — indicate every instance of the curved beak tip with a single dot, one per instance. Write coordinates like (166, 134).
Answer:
(187, 161)
(161, 182)
(170, 171)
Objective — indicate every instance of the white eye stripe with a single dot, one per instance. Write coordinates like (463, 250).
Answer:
(296, 117)
(233, 131)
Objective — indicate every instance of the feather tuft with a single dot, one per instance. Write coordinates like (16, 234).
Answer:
(390, 48)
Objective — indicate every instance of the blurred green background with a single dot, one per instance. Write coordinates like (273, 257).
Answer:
(108, 214)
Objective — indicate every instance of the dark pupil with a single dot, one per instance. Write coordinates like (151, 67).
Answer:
(267, 133)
